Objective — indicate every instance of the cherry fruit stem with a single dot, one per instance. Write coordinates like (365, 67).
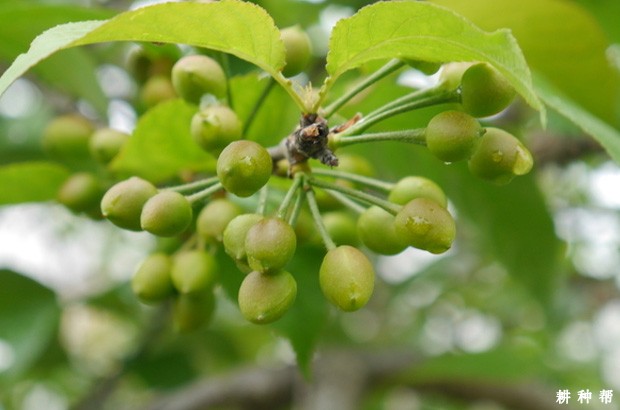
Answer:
(384, 71)
(316, 215)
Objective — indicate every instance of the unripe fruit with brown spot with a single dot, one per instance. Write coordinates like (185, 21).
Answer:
(499, 157)
(424, 224)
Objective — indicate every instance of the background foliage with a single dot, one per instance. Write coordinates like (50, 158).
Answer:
(524, 305)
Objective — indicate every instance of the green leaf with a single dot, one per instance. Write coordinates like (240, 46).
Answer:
(72, 71)
(30, 182)
(232, 26)
(179, 369)
(161, 145)
(423, 31)
(608, 136)
(29, 316)
(514, 227)
(276, 116)
(560, 40)
(606, 12)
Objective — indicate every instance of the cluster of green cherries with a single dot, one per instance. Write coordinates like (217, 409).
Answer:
(384, 217)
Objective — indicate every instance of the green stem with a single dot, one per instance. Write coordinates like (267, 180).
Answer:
(290, 194)
(192, 186)
(354, 193)
(258, 104)
(371, 182)
(316, 215)
(200, 195)
(299, 201)
(288, 87)
(225, 62)
(415, 136)
(348, 202)
(387, 69)
(407, 98)
(262, 200)
(423, 100)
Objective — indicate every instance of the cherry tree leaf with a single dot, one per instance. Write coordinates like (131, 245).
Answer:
(422, 31)
(232, 26)
(561, 41)
(161, 146)
(73, 71)
(29, 315)
(31, 181)
(604, 133)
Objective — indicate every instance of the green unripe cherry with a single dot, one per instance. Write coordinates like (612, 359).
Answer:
(191, 311)
(412, 187)
(214, 127)
(167, 213)
(67, 137)
(499, 157)
(326, 201)
(106, 143)
(193, 271)
(151, 283)
(244, 167)
(266, 298)
(122, 204)
(377, 232)
(424, 224)
(352, 163)
(157, 89)
(305, 228)
(341, 227)
(347, 278)
(451, 74)
(214, 217)
(270, 244)
(196, 75)
(81, 192)
(426, 67)
(298, 50)
(235, 233)
(451, 135)
(484, 91)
